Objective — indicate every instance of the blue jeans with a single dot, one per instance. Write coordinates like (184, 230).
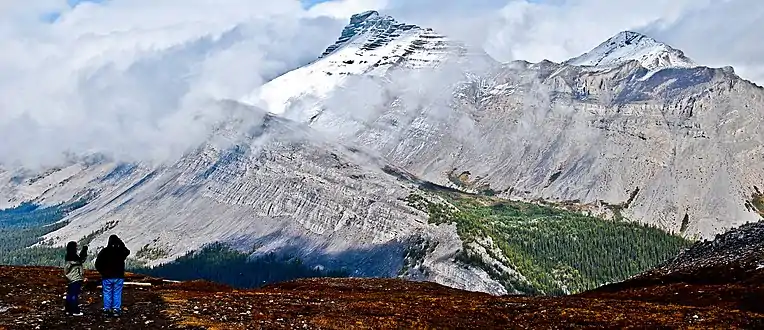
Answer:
(72, 296)
(112, 294)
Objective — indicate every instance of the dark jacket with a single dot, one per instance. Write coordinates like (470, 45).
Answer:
(110, 262)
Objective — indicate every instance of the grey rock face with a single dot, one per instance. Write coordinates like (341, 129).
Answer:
(677, 143)
(275, 188)
(741, 249)
(633, 128)
(383, 29)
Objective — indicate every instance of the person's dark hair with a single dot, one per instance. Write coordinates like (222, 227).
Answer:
(71, 251)
(115, 241)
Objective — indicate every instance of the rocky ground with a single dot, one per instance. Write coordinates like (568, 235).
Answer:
(32, 298)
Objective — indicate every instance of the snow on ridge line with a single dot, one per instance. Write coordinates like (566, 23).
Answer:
(633, 46)
(370, 44)
(381, 28)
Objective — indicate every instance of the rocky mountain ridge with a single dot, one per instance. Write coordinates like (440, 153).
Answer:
(632, 120)
(740, 249)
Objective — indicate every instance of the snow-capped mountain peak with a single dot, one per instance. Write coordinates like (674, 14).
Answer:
(632, 46)
(379, 40)
(372, 26)
(370, 44)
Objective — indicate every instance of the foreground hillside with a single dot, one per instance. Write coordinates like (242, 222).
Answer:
(31, 298)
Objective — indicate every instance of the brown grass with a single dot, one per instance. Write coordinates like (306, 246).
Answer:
(381, 304)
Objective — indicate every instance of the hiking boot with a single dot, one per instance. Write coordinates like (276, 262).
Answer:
(116, 313)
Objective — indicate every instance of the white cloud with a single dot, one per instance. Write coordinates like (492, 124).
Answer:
(726, 32)
(345, 8)
(537, 30)
(129, 77)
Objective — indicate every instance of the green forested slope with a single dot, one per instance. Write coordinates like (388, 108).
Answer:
(556, 251)
(23, 226)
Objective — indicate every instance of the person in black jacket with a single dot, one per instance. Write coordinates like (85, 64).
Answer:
(110, 263)
(75, 276)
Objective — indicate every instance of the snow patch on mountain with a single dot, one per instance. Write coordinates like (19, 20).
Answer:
(632, 46)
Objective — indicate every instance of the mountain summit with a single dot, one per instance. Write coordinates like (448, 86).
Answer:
(371, 44)
(381, 40)
(369, 30)
(632, 46)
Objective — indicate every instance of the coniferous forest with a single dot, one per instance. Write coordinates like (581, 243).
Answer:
(557, 251)
(22, 228)
(220, 263)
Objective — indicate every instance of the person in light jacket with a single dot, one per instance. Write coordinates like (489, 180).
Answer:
(111, 264)
(75, 275)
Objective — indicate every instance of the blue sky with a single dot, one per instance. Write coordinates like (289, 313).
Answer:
(307, 3)
(52, 17)
(73, 3)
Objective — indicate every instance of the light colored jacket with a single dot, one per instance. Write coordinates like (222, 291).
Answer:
(74, 271)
